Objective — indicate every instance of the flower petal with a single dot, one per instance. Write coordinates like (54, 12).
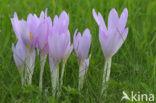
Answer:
(119, 41)
(33, 22)
(123, 19)
(100, 21)
(19, 54)
(113, 21)
(68, 51)
(96, 17)
(64, 20)
(25, 33)
(42, 34)
(16, 25)
(57, 45)
(84, 44)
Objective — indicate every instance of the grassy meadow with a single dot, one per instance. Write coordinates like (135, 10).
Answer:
(133, 66)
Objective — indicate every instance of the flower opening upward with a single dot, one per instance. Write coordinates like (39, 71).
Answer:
(19, 57)
(42, 33)
(59, 43)
(111, 37)
(81, 46)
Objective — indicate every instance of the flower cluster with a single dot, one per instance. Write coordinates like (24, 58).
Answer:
(53, 39)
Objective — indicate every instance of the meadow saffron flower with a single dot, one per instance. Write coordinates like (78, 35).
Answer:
(42, 32)
(41, 36)
(16, 26)
(58, 41)
(21, 61)
(81, 46)
(111, 38)
(25, 31)
(19, 58)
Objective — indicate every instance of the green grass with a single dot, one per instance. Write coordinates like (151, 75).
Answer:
(133, 66)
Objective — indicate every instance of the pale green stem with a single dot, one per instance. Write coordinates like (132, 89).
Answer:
(106, 74)
(31, 69)
(22, 78)
(55, 79)
(21, 72)
(26, 67)
(82, 72)
(62, 73)
(42, 64)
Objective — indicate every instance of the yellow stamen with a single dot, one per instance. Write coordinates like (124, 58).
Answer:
(31, 36)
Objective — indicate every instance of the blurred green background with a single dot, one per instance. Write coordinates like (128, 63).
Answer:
(133, 66)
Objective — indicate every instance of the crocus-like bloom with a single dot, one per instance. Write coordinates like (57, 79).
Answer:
(19, 54)
(19, 57)
(26, 32)
(112, 38)
(59, 46)
(42, 32)
(59, 39)
(81, 46)
(41, 37)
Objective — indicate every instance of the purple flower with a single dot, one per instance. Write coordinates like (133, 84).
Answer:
(42, 32)
(41, 41)
(26, 30)
(112, 38)
(16, 26)
(22, 60)
(59, 38)
(19, 55)
(68, 51)
(82, 44)
(59, 47)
